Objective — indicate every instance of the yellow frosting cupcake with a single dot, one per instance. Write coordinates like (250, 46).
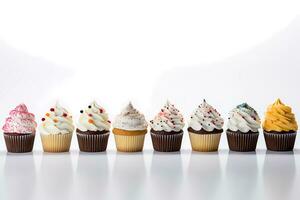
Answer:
(279, 118)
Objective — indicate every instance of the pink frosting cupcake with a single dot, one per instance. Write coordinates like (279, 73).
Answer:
(19, 130)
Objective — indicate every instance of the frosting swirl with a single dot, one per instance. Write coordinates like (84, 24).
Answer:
(94, 118)
(243, 118)
(130, 119)
(20, 121)
(168, 119)
(279, 118)
(206, 117)
(57, 121)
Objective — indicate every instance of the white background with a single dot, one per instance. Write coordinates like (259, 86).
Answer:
(226, 51)
(73, 52)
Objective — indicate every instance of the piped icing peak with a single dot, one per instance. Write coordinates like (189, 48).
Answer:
(279, 118)
(130, 119)
(243, 118)
(206, 117)
(20, 121)
(93, 118)
(168, 119)
(57, 121)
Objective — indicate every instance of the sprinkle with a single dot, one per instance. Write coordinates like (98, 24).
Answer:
(90, 106)
(65, 115)
(91, 121)
(43, 119)
(162, 110)
(90, 115)
(52, 109)
(81, 111)
(101, 110)
(108, 121)
(55, 120)
(47, 114)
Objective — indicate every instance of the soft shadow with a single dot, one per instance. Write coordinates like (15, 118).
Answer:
(241, 178)
(55, 178)
(204, 176)
(128, 177)
(19, 176)
(92, 175)
(238, 77)
(166, 176)
(279, 174)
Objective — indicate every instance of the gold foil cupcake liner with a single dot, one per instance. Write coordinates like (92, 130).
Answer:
(205, 142)
(129, 143)
(56, 142)
(22, 143)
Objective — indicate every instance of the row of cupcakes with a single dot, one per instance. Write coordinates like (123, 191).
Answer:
(130, 127)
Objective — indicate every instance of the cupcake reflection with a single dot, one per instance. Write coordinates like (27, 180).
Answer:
(204, 176)
(91, 178)
(166, 175)
(279, 173)
(241, 175)
(128, 177)
(55, 176)
(19, 176)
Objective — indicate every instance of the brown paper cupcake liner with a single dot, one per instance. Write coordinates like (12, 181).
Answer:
(242, 142)
(280, 141)
(92, 143)
(129, 143)
(19, 143)
(205, 142)
(166, 143)
(56, 143)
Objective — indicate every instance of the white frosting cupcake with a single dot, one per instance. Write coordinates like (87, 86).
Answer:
(94, 118)
(57, 121)
(130, 119)
(207, 118)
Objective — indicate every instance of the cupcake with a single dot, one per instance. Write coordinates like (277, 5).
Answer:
(129, 130)
(19, 130)
(243, 128)
(56, 130)
(280, 127)
(93, 129)
(166, 129)
(205, 128)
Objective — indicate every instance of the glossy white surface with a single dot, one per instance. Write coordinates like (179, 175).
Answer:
(150, 175)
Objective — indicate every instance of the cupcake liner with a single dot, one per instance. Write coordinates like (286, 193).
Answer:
(166, 143)
(242, 142)
(19, 143)
(280, 141)
(126, 143)
(92, 143)
(57, 142)
(205, 142)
